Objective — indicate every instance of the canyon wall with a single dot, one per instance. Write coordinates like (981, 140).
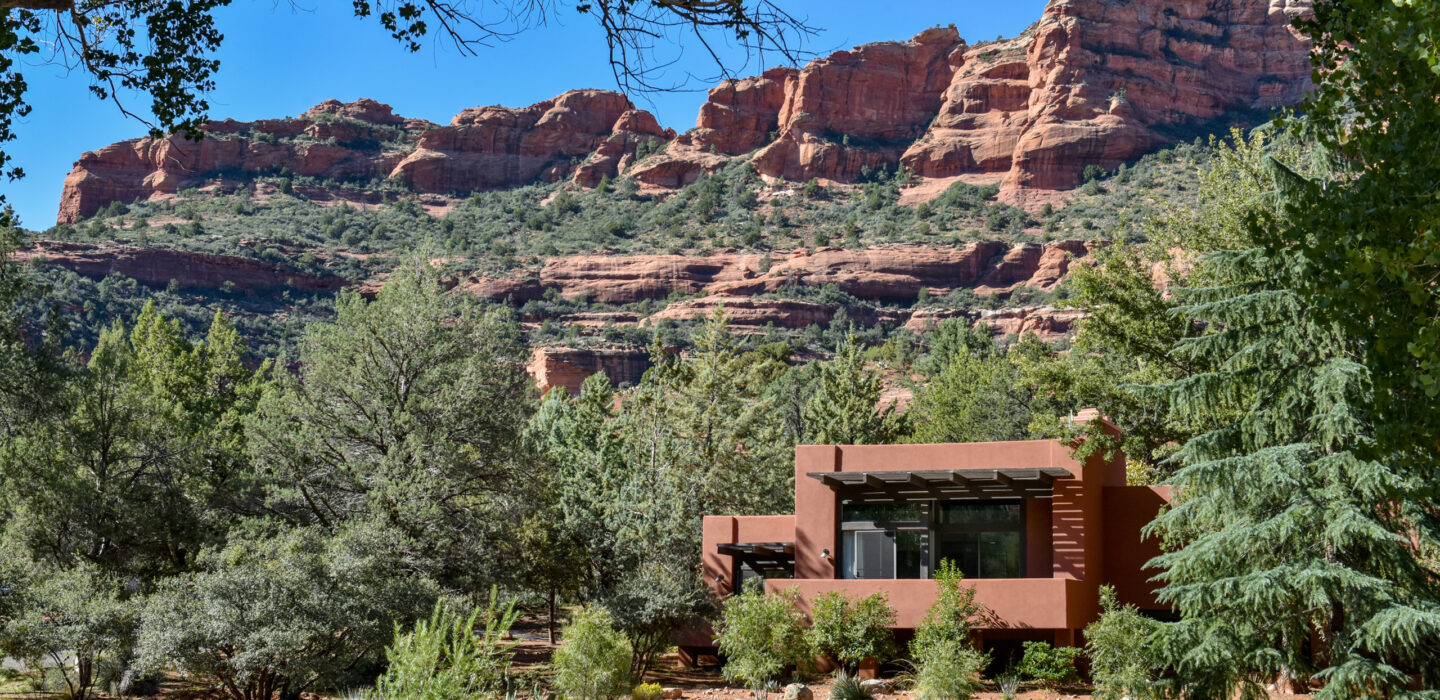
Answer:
(1093, 82)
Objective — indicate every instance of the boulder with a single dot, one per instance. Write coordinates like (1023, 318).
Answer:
(798, 691)
(876, 686)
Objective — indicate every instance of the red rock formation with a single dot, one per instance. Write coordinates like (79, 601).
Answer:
(890, 273)
(139, 168)
(491, 147)
(741, 115)
(485, 147)
(617, 152)
(1093, 82)
(858, 109)
(1102, 83)
(747, 313)
(557, 366)
(1048, 324)
(158, 267)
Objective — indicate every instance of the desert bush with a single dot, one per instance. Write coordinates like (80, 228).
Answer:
(647, 691)
(1008, 683)
(852, 631)
(948, 669)
(72, 626)
(593, 663)
(1049, 666)
(1122, 658)
(760, 634)
(952, 616)
(450, 655)
(279, 614)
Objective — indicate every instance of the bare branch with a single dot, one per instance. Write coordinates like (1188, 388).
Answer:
(60, 5)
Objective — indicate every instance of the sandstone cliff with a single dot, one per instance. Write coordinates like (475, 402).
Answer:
(883, 274)
(481, 148)
(1093, 82)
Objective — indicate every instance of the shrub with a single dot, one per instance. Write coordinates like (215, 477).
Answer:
(760, 634)
(951, 617)
(847, 687)
(279, 614)
(948, 670)
(1122, 659)
(851, 632)
(594, 661)
(647, 691)
(1091, 173)
(447, 658)
(1050, 666)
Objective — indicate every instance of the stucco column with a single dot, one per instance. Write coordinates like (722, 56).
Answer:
(816, 512)
(717, 530)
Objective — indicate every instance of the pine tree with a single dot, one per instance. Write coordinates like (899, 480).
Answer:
(1304, 533)
(844, 408)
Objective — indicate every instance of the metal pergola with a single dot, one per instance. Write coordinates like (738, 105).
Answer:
(950, 484)
(764, 557)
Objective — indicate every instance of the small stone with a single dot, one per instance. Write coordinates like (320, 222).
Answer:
(673, 693)
(876, 686)
(798, 691)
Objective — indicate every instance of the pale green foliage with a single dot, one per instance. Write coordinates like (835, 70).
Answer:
(279, 614)
(760, 634)
(843, 408)
(593, 663)
(697, 436)
(450, 655)
(851, 631)
(1050, 666)
(1120, 647)
(953, 615)
(647, 691)
(73, 622)
(405, 412)
(948, 670)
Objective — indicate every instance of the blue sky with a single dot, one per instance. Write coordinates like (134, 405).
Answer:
(279, 60)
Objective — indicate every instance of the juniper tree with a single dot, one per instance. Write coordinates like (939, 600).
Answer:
(843, 407)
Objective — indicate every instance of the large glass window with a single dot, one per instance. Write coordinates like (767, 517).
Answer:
(884, 540)
(908, 540)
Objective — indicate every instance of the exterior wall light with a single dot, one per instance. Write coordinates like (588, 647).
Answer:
(719, 578)
(825, 553)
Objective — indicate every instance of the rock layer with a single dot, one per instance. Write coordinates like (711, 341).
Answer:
(159, 267)
(887, 274)
(565, 367)
(1094, 82)
(482, 148)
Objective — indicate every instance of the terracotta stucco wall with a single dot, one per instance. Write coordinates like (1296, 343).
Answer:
(1128, 509)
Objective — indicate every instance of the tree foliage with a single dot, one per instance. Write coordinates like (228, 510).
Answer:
(280, 614)
(760, 634)
(404, 413)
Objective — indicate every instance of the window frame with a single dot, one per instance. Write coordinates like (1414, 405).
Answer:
(931, 530)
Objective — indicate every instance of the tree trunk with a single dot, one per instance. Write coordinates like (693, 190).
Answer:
(550, 617)
(84, 676)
